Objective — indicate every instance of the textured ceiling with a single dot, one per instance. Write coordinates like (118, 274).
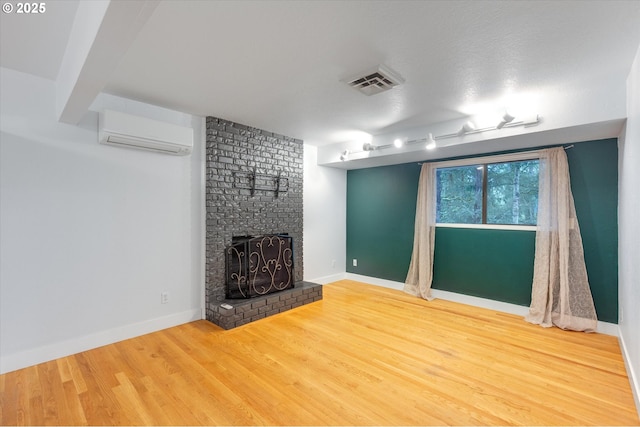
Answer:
(278, 65)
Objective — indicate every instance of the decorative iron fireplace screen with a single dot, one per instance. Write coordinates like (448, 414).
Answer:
(258, 265)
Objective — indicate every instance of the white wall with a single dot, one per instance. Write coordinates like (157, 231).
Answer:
(90, 235)
(629, 232)
(325, 219)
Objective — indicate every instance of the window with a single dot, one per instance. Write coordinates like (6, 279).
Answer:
(503, 193)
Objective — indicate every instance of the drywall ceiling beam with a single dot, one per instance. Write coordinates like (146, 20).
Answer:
(102, 33)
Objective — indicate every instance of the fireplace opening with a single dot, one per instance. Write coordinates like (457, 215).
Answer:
(258, 265)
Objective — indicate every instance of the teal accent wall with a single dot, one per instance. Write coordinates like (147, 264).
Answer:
(493, 264)
(594, 183)
(381, 208)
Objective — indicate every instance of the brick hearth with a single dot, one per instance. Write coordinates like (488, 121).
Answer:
(244, 311)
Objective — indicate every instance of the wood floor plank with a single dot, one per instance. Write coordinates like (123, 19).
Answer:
(63, 370)
(76, 374)
(74, 411)
(52, 393)
(12, 395)
(363, 355)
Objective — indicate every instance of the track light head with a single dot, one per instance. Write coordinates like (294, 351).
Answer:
(507, 118)
(367, 146)
(466, 128)
(398, 142)
(344, 156)
(431, 142)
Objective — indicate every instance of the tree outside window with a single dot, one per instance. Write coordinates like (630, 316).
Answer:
(493, 193)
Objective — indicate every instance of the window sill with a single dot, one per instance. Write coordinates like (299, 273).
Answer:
(490, 226)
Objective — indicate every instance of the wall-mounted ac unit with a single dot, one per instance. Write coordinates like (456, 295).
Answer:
(124, 130)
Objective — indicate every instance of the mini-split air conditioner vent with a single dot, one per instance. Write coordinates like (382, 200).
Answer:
(124, 130)
(375, 81)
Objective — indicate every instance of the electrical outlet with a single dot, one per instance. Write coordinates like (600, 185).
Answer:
(621, 320)
(164, 297)
(333, 263)
(355, 262)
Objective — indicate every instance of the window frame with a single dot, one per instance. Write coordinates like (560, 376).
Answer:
(484, 161)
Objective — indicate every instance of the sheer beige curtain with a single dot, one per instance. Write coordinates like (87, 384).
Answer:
(560, 292)
(420, 273)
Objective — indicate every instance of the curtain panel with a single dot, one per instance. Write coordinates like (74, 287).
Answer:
(420, 275)
(560, 293)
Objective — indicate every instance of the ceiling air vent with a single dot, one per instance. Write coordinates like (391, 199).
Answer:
(375, 81)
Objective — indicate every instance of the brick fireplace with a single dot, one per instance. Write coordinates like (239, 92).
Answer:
(253, 188)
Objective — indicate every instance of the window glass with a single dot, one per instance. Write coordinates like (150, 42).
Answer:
(459, 195)
(495, 193)
(512, 193)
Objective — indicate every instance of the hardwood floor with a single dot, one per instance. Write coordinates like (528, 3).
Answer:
(363, 356)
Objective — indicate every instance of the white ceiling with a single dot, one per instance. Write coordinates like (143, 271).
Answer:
(278, 65)
(35, 43)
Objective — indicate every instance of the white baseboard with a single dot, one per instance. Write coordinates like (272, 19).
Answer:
(608, 329)
(631, 373)
(505, 307)
(375, 281)
(327, 279)
(13, 362)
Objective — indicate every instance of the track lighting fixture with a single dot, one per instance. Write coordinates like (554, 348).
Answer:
(507, 121)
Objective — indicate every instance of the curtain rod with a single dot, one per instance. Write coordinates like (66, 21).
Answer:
(494, 155)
